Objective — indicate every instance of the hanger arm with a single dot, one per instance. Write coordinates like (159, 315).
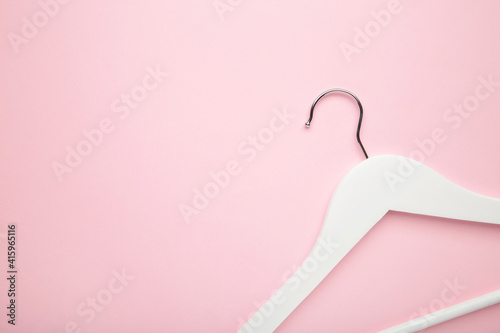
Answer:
(295, 290)
(426, 192)
(350, 215)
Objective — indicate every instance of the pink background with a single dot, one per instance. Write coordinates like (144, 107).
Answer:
(119, 209)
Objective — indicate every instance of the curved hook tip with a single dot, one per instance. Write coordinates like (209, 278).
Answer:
(308, 124)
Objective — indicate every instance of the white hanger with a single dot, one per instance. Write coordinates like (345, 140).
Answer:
(362, 198)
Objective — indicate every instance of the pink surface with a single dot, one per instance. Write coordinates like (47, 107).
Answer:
(102, 245)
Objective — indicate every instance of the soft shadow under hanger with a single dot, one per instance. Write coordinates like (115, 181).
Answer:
(361, 199)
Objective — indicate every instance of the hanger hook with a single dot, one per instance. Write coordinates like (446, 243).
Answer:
(308, 123)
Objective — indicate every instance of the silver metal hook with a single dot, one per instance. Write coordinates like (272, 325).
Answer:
(308, 123)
